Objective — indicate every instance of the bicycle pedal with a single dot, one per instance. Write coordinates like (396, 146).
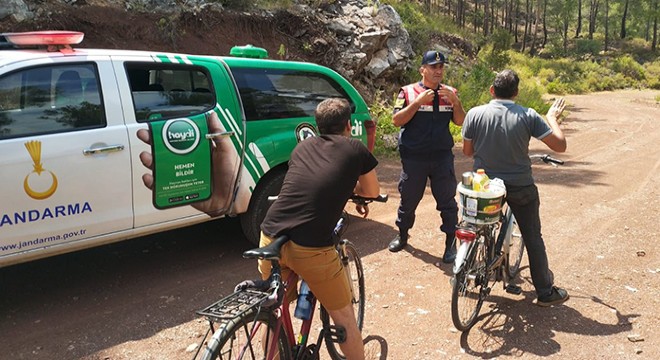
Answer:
(337, 334)
(513, 289)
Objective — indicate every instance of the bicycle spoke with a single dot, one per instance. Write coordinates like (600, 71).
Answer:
(355, 277)
(467, 294)
(515, 250)
(247, 338)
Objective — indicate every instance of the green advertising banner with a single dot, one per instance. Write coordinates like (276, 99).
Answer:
(182, 161)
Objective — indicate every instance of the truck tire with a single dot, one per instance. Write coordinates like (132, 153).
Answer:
(269, 185)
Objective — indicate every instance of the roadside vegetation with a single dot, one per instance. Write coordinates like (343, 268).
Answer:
(560, 59)
(557, 47)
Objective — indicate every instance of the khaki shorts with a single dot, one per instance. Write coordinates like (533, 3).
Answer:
(319, 266)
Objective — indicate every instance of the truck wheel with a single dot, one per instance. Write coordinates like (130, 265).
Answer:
(251, 221)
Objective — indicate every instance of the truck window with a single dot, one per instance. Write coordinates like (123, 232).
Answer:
(50, 99)
(164, 91)
(278, 94)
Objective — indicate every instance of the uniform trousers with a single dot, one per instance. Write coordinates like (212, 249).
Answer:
(412, 184)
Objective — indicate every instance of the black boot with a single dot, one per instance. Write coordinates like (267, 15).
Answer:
(450, 250)
(399, 242)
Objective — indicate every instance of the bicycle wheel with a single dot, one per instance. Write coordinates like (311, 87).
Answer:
(246, 338)
(516, 249)
(467, 288)
(353, 266)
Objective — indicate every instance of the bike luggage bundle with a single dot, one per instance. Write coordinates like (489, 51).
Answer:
(234, 305)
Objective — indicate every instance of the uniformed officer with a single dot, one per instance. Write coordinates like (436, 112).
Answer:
(423, 110)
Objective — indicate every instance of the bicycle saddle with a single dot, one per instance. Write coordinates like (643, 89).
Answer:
(268, 252)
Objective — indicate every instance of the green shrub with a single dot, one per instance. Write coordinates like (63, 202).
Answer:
(474, 89)
(386, 132)
(627, 66)
(587, 46)
(546, 76)
(531, 95)
(639, 48)
(493, 58)
(600, 79)
(653, 74)
(556, 87)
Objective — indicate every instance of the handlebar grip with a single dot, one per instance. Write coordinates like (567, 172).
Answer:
(382, 198)
(364, 200)
(550, 159)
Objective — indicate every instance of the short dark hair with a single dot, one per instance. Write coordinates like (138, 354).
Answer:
(506, 84)
(331, 115)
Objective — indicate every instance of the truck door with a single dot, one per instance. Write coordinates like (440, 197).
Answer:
(65, 161)
(158, 89)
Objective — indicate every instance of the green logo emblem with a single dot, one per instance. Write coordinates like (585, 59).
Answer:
(181, 136)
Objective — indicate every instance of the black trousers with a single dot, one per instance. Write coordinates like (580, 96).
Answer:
(412, 184)
(524, 203)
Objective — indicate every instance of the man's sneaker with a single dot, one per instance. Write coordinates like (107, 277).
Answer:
(398, 243)
(450, 251)
(556, 297)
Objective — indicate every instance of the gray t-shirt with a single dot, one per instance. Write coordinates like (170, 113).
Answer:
(500, 132)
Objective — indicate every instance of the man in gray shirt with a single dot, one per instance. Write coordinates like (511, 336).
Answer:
(497, 134)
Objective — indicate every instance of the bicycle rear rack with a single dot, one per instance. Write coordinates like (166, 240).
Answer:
(234, 305)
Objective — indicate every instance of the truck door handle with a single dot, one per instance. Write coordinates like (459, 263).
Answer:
(103, 150)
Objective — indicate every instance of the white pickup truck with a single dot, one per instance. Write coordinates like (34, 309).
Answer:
(75, 172)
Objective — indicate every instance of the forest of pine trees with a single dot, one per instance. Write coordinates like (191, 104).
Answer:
(532, 23)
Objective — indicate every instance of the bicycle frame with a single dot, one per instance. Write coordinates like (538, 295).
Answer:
(283, 316)
(470, 233)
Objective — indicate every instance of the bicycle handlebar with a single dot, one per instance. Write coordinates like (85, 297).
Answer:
(547, 159)
(360, 200)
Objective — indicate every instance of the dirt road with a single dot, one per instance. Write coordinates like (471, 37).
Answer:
(136, 300)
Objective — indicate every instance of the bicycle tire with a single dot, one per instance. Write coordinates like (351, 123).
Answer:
(233, 338)
(353, 265)
(516, 249)
(468, 288)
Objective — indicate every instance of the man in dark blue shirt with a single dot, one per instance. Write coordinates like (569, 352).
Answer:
(423, 111)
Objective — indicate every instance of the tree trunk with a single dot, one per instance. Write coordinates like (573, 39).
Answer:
(511, 20)
(474, 18)
(515, 27)
(623, 19)
(527, 25)
(545, 28)
(486, 14)
(607, 22)
(566, 36)
(578, 29)
(537, 20)
(493, 17)
(593, 12)
(655, 26)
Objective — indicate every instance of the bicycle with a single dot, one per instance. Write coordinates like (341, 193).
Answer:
(255, 321)
(488, 251)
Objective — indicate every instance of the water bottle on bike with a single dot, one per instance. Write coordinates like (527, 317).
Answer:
(304, 305)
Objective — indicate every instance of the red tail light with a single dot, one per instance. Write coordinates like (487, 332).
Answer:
(465, 235)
